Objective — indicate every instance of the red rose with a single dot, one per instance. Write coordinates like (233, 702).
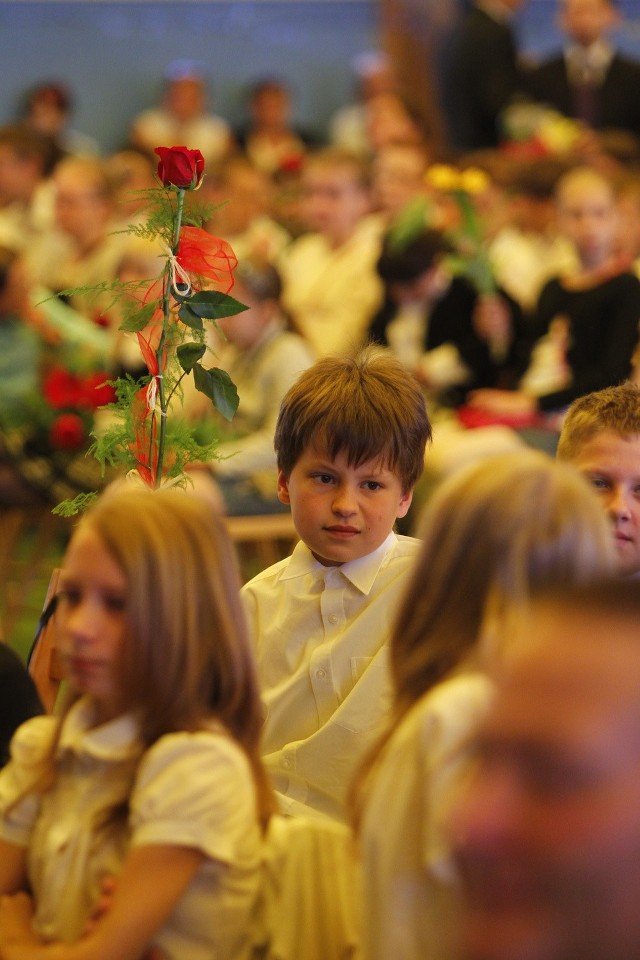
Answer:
(67, 432)
(179, 167)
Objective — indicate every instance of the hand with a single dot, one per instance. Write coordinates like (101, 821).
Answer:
(492, 320)
(107, 890)
(16, 913)
(511, 403)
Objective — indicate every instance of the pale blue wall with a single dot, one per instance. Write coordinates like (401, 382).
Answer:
(113, 54)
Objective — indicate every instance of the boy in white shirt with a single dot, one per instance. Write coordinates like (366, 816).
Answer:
(600, 436)
(350, 442)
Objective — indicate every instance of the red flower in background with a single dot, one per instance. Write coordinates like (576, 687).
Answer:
(180, 167)
(94, 392)
(61, 389)
(207, 257)
(67, 432)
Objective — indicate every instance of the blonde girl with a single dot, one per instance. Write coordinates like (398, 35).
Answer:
(153, 772)
(491, 534)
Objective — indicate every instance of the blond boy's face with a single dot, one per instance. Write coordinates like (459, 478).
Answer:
(342, 512)
(611, 464)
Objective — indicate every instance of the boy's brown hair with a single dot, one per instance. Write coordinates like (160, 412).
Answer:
(366, 405)
(338, 158)
(615, 408)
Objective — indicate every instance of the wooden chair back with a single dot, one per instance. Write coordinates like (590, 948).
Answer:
(44, 662)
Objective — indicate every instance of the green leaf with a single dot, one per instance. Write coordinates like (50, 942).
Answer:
(189, 317)
(189, 354)
(219, 387)
(211, 305)
(137, 321)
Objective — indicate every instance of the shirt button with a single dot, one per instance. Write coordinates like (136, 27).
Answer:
(321, 674)
(333, 618)
(286, 762)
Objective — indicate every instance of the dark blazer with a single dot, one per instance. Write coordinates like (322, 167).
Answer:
(481, 79)
(451, 321)
(618, 98)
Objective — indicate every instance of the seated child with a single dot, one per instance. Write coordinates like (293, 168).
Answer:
(330, 287)
(600, 436)
(585, 327)
(263, 358)
(492, 535)
(152, 773)
(428, 318)
(350, 442)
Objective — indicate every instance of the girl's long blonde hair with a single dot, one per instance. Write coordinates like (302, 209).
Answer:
(187, 656)
(492, 534)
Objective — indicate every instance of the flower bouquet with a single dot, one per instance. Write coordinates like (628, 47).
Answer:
(146, 437)
(465, 230)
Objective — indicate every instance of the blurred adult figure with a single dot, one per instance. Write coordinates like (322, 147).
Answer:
(589, 79)
(484, 75)
(548, 831)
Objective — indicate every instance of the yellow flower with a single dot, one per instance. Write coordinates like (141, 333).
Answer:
(443, 177)
(474, 180)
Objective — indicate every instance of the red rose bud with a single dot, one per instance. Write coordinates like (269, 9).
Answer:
(180, 167)
(67, 432)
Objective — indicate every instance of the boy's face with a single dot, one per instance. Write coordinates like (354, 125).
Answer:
(611, 464)
(588, 216)
(342, 512)
(334, 201)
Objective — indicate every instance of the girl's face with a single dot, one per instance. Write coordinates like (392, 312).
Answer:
(90, 620)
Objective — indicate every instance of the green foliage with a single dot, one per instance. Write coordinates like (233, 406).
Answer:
(219, 387)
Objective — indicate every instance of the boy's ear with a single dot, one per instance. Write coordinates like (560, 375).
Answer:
(404, 504)
(283, 488)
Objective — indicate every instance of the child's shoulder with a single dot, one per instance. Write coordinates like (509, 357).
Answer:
(403, 549)
(268, 575)
(193, 755)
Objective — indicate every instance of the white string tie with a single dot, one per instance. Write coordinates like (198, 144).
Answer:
(152, 392)
(179, 280)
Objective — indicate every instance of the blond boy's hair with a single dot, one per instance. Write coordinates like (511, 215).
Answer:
(366, 405)
(614, 408)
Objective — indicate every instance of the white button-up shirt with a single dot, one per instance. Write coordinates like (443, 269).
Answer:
(321, 637)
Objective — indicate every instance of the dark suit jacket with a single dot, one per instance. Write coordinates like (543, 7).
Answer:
(482, 78)
(451, 321)
(618, 99)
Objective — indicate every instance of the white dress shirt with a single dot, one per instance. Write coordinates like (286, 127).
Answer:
(321, 637)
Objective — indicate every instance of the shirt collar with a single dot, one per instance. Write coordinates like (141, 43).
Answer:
(114, 741)
(596, 57)
(361, 573)
(496, 10)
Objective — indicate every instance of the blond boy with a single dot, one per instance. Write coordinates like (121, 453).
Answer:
(601, 438)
